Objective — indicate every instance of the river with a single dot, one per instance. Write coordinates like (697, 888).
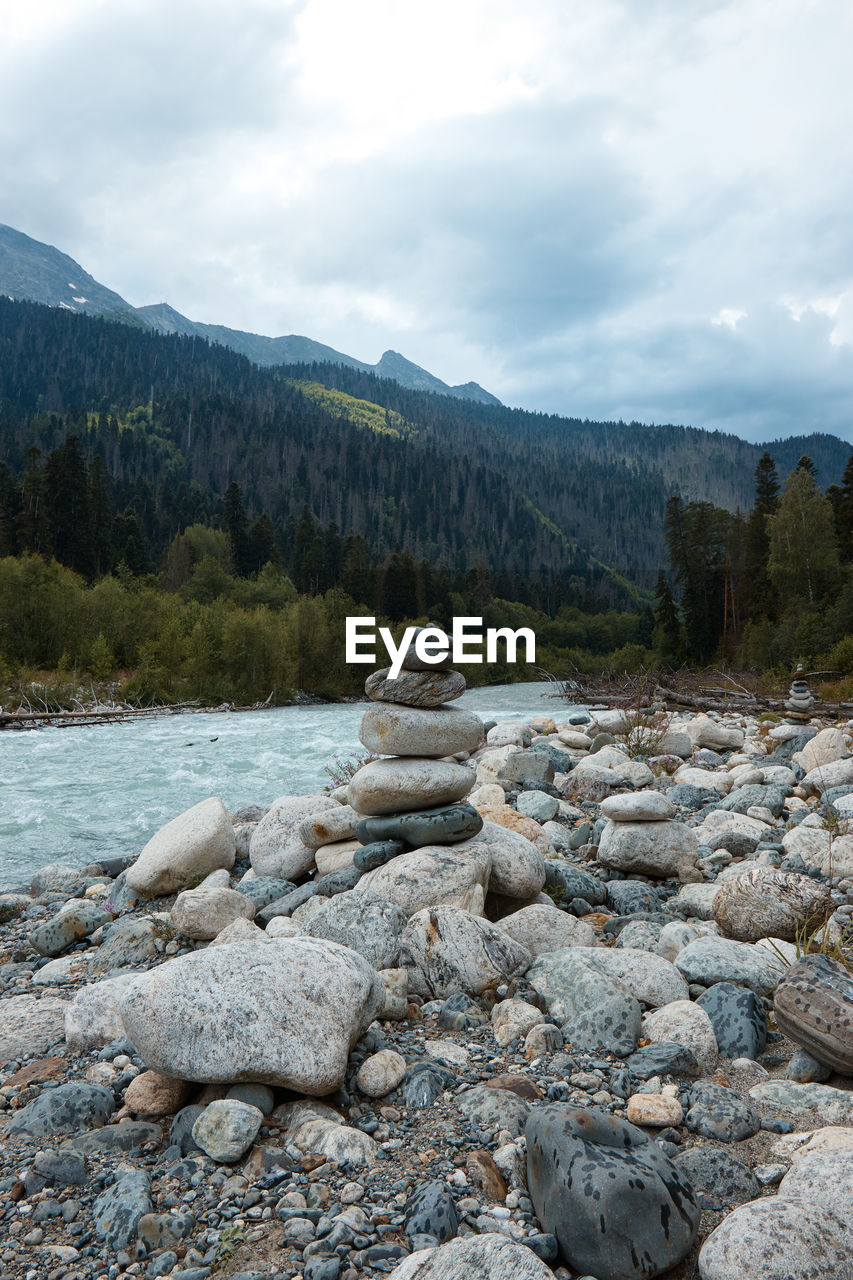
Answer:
(77, 794)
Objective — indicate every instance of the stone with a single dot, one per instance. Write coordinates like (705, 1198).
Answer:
(283, 927)
(628, 897)
(262, 890)
(537, 805)
(818, 849)
(128, 943)
(718, 1175)
(769, 903)
(331, 824)
(240, 930)
(704, 780)
(638, 806)
(489, 1256)
(92, 1019)
(835, 774)
(813, 1005)
(517, 865)
(77, 919)
(720, 1113)
(696, 900)
(542, 927)
(664, 1058)
(440, 875)
(240, 1012)
(504, 816)
(796, 1146)
(619, 1207)
(316, 1128)
(446, 950)
(276, 849)
(827, 746)
(491, 1110)
(651, 848)
(411, 782)
(391, 730)
(807, 1070)
(635, 772)
(683, 1022)
(673, 938)
(431, 1211)
(650, 979)
(595, 1010)
(822, 1177)
(738, 1018)
(66, 1109)
(364, 922)
(195, 843)
(377, 853)
(381, 1073)
(203, 913)
(512, 1019)
(415, 688)
(777, 1239)
(446, 825)
(507, 733)
(226, 1129)
(60, 1170)
(800, 704)
(653, 1110)
(130, 1135)
(831, 1106)
(117, 1211)
(340, 856)
(564, 881)
(710, 959)
(396, 994)
(737, 833)
(153, 1094)
(705, 732)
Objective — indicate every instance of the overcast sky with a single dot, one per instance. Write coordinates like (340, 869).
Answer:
(638, 210)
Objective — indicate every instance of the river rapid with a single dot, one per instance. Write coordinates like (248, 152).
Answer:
(79, 794)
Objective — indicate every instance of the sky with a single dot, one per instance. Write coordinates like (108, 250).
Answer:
(605, 209)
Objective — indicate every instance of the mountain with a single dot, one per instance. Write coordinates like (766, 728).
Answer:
(35, 272)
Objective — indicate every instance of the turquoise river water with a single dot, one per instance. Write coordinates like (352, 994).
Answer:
(77, 794)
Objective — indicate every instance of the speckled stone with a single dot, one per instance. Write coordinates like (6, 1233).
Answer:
(738, 1018)
(720, 1113)
(117, 1211)
(715, 1172)
(66, 1109)
(431, 1211)
(766, 903)
(489, 1256)
(393, 730)
(619, 1207)
(415, 688)
(778, 1239)
(814, 1007)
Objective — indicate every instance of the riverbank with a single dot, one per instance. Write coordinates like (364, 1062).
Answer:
(637, 1001)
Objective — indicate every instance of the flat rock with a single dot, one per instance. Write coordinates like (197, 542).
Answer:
(705, 732)
(316, 1128)
(400, 784)
(446, 950)
(276, 848)
(392, 730)
(445, 825)
(240, 1012)
(377, 853)
(195, 843)
(831, 1106)
(638, 806)
(650, 979)
(440, 875)
(415, 688)
(328, 826)
(30, 1026)
(651, 848)
(813, 1004)
(542, 927)
(778, 1239)
(77, 919)
(117, 1211)
(619, 1207)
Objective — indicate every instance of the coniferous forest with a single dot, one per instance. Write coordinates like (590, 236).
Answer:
(177, 519)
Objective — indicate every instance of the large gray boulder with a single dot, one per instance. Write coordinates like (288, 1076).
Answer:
(29, 1026)
(518, 867)
(543, 927)
(277, 848)
(483, 1257)
(204, 912)
(766, 903)
(286, 1013)
(596, 1011)
(779, 1239)
(92, 1019)
(436, 875)
(650, 848)
(364, 922)
(709, 960)
(446, 950)
(188, 848)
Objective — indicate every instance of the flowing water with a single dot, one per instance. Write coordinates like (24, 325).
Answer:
(74, 795)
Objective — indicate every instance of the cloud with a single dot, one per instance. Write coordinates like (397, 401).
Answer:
(603, 210)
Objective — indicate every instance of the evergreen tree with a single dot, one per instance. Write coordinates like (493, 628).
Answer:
(10, 510)
(758, 592)
(803, 561)
(262, 547)
(805, 464)
(667, 624)
(844, 513)
(68, 508)
(32, 526)
(239, 560)
(100, 505)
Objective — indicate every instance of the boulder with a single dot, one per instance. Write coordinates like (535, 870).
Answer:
(285, 1014)
(835, 774)
(543, 927)
(595, 1010)
(638, 806)
(401, 784)
(767, 903)
(204, 912)
(363, 921)
(326, 827)
(391, 730)
(92, 1019)
(517, 865)
(30, 1026)
(313, 1127)
(276, 848)
(619, 1207)
(650, 848)
(777, 1239)
(446, 950)
(443, 875)
(738, 1018)
(650, 978)
(188, 848)
(77, 919)
(823, 749)
(818, 849)
(511, 820)
(489, 1256)
(226, 1129)
(709, 960)
(705, 732)
(813, 1004)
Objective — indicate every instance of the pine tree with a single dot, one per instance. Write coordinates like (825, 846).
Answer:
(239, 561)
(667, 624)
(33, 533)
(759, 598)
(10, 510)
(100, 505)
(68, 509)
(803, 561)
(844, 513)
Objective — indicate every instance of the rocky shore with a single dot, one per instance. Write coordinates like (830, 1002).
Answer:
(523, 1000)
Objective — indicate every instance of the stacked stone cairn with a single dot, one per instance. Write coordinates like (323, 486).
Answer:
(800, 705)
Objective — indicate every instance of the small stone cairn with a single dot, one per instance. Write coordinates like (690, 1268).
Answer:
(800, 704)
(414, 795)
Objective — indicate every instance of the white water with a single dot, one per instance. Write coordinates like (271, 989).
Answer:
(74, 795)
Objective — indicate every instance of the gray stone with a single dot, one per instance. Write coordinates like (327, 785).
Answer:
(77, 919)
(30, 1026)
(265, 889)
(226, 1129)
(807, 1070)
(491, 1110)
(328, 826)
(749, 797)
(60, 1169)
(768, 903)
(415, 688)
(716, 1173)
(257, 1095)
(92, 1019)
(828, 1106)
(195, 843)
(277, 849)
(738, 1018)
(778, 1239)
(377, 853)
(720, 1113)
(619, 1207)
(204, 912)
(239, 1012)
(446, 950)
(663, 1058)
(128, 944)
(489, 1256)
(537, 805)
(709, 960)
(363, 921)
(440, 875)
(391, 730)
(446, 825)
(638, 806)
(117, 1211)
(651, 848)
(431, 1211)
(565, 881)
(595, 1010)
(813, 1005)
(130, 1135)
(627, 897)
(181, 1131)
(66, 1109)
(411, 782)
(541, 927)
(517, 866)
(683, 1022)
